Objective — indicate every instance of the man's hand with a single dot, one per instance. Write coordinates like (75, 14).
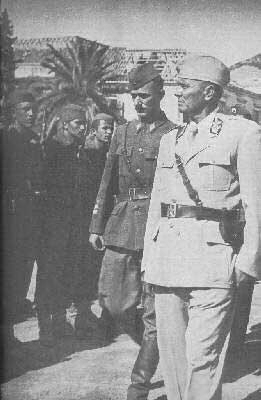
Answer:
(97, 242)
(242, 278)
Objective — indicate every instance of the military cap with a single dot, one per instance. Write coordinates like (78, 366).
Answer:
(204, 68)
(21, 96)
(72, 111)
(102, 117)
(141, 75)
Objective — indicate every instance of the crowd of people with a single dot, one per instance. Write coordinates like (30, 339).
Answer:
(49, 192)
(169, 257)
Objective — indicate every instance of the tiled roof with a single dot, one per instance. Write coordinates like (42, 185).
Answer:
(247, 74)
(244, 74)
(253, 61)
(164, 61)
(33, 50)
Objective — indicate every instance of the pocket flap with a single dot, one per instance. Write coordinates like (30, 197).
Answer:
(119, 207)
(150, 153)
(121, 151)
(215, 159)
(167, 163)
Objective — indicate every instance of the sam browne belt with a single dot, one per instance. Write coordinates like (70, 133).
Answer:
(175, 210)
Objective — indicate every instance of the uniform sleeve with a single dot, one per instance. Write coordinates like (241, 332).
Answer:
(105, 192)
(249, 171)
(154, 214)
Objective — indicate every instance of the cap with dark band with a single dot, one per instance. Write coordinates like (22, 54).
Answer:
(141, 75)
(71, 112)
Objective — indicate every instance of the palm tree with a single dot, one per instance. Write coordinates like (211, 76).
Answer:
(80, 72)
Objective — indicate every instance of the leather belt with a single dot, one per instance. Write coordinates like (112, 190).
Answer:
(175, 210)
(134, 194)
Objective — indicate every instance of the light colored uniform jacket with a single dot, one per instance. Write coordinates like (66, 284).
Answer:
(224, 165)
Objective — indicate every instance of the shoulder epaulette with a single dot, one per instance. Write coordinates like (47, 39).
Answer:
(170, 126)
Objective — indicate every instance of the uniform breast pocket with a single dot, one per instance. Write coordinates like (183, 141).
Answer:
(124, 155)
(215, 173)
(167, 161)
(119, 208)
(150, 154)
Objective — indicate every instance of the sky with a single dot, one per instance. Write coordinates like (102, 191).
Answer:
(227, 29)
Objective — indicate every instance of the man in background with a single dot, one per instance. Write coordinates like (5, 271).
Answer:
(22, 192)
(245, 293)
(62, 216)
(239, 109)
(92, 157)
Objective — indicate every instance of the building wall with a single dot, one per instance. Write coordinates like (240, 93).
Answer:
(27, 70)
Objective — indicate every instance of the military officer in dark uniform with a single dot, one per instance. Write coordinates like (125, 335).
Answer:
(22, 189)
(128, 176)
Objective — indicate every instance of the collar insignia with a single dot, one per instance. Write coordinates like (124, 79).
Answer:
(216, 126)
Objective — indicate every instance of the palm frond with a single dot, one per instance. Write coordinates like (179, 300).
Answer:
(57, 68)
(60, 57)
(80, 69)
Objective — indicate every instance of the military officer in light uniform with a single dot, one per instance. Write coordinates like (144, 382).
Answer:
(128, 176)
(208, 176)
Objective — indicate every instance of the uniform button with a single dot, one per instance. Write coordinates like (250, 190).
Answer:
(141, 150)
(138, 170)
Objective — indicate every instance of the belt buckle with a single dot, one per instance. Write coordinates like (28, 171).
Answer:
(172, 210)
(132, 193)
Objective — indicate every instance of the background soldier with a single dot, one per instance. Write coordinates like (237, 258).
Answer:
(61, 226)
(92, 159)
(22, 165)
(207, 171)
(244, 294)
(239, 109)
(128, 175)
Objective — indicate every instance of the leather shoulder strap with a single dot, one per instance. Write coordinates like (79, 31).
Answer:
(193, 194)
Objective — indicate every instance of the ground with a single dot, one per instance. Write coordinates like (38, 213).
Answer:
(92, 370)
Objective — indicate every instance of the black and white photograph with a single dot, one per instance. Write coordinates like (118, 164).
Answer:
(131, 199)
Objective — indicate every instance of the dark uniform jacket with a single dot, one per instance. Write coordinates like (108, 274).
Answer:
(22, 187)
(92, 162)
(61, 226)
(22, 183)
(129, 170)
(22, 163)
(72, 178)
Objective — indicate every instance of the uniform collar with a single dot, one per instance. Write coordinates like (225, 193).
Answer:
(155, 124)
(206, 122)
(208, 129)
